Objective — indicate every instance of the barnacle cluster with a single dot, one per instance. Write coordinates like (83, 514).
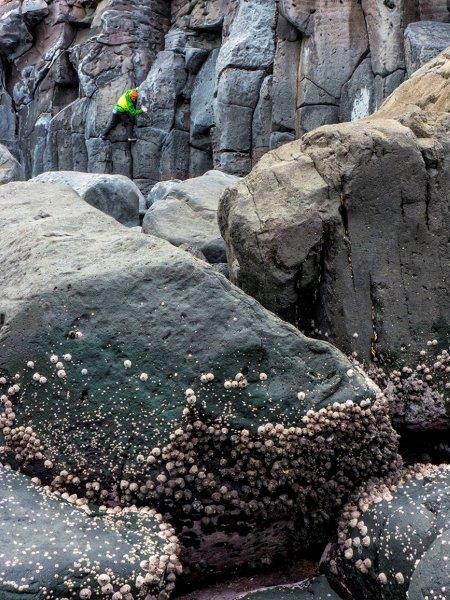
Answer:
(381, 536)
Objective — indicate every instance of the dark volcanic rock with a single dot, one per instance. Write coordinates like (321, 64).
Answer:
(115, 195)
(203, 66)
(10, 168)
(314, 589)
(424, 41)
(185, 213)
(82, 296)
(60, 548)
(344, 232)
(394, 539)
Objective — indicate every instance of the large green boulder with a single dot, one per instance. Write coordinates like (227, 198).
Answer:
(53, 548)
(248, 452)
(393, 540)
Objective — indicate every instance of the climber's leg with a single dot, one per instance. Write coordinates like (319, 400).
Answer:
(129, 124)
(115, 120)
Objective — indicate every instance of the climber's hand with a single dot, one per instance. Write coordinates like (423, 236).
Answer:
(145, 109)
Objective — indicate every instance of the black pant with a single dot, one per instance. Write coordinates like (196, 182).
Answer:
(117, 118)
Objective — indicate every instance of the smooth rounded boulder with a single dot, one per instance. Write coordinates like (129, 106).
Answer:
(51, 547)
(146, 377)
(185, 212)
(115, 195)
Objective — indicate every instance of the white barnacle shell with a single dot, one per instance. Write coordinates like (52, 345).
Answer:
(61, 374)
(263, 376)
(143, 376)
(399, 578)
(203, 378)
(127, 364)
(42, 380)
(382, 578)
(227, 385)
(210, 377)
(30, 364)
(54, 359)
(189, 392)
(85, 594)
(103, 579)
(350, 373)
(301, 396)
(84, 371)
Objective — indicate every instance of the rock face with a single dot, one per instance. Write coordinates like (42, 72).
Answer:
(342, 232)
(393, 541)
(185, 213)
(225, 80)
(235, 465)
(10, 168)
(50, 544)
(314, 589)
(115, 195)
(424, 41)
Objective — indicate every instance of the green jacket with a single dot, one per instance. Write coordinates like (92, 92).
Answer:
(126, 105)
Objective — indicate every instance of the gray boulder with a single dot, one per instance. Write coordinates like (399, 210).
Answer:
(185, 212)
(327, 231)
(393, 539)
(313, 589)
(423, 41)
(10, 168)
(63, 546)
(234, 465)
(115, 195)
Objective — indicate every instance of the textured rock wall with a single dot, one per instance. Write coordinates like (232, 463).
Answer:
(342, 232)
(225, 80)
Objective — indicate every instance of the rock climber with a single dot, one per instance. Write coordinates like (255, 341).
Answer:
(125, 111)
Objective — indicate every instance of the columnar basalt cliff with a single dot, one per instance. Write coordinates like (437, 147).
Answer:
(224, 80)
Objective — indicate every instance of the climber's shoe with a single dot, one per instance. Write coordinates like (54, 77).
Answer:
(132, 139)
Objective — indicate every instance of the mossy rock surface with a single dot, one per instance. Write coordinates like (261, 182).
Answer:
(50, 548)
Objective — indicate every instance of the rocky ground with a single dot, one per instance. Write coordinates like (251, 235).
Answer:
(224, 349)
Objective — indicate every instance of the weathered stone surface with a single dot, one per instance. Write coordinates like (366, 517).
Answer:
(423, 41)
(358, 94)
(202, 107)
(115, 295)
(115, 195)
(195, 62)
(10, 168)
(15, 38)
(186, 213)
(342, 232)
(50, 544)
(313, 589)
(393, 539)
